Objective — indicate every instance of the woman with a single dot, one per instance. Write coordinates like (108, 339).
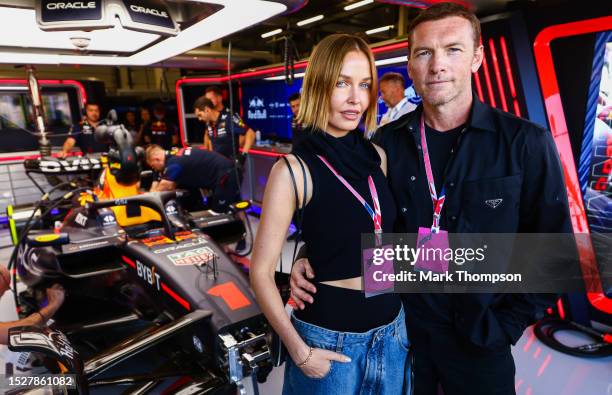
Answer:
(343, 342)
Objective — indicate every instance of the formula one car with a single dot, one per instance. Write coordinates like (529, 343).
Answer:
(151, 297)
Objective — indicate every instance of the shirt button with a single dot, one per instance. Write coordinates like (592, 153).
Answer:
(412, 178)
(404, 209)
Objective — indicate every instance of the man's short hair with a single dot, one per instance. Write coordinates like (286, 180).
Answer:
(393, 77)
(445, 10)
(215, 89)
(150, 150)
(92, 103)
(294, 97)
(203, 102)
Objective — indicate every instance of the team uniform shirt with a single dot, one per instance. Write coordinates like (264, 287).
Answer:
(196, 168)
(221, 136)
(401, 108)
(85, 139)
(160, 132)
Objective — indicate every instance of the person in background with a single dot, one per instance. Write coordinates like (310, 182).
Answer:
(217, 136)
(297, 132)
(145, 120)
(161, 130)
(130, 121)
(83, 134)
(55, 299)
(392, 92)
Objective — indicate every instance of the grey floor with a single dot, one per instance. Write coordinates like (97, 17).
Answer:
(539, 369)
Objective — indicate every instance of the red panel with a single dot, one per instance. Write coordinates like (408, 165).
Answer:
(500, 85)
(558, 126)
(509, 73)
(478, 86)
(485, 66)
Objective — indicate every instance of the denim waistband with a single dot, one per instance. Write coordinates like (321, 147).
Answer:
(332, 338)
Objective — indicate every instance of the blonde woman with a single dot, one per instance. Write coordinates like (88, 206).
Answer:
(343, 343)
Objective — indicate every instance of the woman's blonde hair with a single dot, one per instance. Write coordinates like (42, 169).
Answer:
(322, 74)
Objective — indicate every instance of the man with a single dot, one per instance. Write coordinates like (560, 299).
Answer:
(83, 135)
(392, 92)
(297, 132)
(193, 169)
(480, 155)
(55, 299)
(218, 133)
(160, 130)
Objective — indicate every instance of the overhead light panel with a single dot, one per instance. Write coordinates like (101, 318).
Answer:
(271, 33)
(282, 77)
(379, 29)
(310, 20)
(357, 4)
(399, 59)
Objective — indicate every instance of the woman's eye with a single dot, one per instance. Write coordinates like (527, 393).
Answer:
(365, 85)
(341, 84)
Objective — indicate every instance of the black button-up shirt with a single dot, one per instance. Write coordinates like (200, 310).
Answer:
(503, 176)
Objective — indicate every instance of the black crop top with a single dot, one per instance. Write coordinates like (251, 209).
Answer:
(334, 219)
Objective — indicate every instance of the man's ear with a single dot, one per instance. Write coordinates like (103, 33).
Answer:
(477, 60)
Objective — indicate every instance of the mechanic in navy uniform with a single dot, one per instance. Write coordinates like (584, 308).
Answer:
(160, 130)
(218, 134)
(195, 168)
(83, 134)
(297, 131)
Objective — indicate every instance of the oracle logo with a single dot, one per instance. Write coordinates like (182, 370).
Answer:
(75, 5)
(150, 11)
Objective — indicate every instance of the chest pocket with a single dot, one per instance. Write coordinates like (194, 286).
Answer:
(492, 205)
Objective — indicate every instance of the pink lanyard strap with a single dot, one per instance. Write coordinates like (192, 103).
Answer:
(438, 201)
(375, 214)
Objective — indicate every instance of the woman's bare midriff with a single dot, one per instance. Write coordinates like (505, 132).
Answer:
(354, 283)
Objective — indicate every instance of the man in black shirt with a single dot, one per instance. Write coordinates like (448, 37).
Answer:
(218, 133)
(499, 174)
(297, 131)
(83, 134)
(193, 168)
(161, 131)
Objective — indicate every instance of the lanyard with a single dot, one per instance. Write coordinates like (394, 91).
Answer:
(438, 201)
(374, 214)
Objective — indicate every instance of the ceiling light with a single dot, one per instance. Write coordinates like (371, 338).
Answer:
(272, 33)
(138, 49)
(399, 59)
(379, 29)
(357, 4)
(310, 20)
(282, 77)
(13, 88)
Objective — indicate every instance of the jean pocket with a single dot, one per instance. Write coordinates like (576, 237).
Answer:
(402, 338)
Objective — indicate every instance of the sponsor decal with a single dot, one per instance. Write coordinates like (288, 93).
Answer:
(150, 11)
(197, 256)
(81, 220)
(174, 247)
(197, 343)
(108, 220)
(148, 274)
(58, 166)
(171, 209)
(242, 205)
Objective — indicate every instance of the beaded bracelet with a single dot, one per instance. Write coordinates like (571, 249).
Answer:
(307, 358)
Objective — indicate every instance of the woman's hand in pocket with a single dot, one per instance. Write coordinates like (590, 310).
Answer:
(319, 364)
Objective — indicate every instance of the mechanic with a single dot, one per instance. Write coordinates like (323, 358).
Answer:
(55, 299)
(297, 131)
(193, 168)
(392, 92)
(161, 131)
(218, 137)
(83, 135)
(495, 173)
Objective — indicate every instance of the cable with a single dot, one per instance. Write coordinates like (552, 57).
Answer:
(546, 329)
(234, 150)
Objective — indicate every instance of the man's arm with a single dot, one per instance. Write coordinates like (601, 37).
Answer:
(207, 142)
(163, 185)
(249, 140)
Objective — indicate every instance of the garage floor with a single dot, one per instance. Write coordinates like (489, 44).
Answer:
(539, 369)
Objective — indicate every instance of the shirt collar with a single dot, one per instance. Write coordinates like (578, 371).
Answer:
(480, 117)
(399, 104)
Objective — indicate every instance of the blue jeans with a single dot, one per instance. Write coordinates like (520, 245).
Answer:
(379, 361)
